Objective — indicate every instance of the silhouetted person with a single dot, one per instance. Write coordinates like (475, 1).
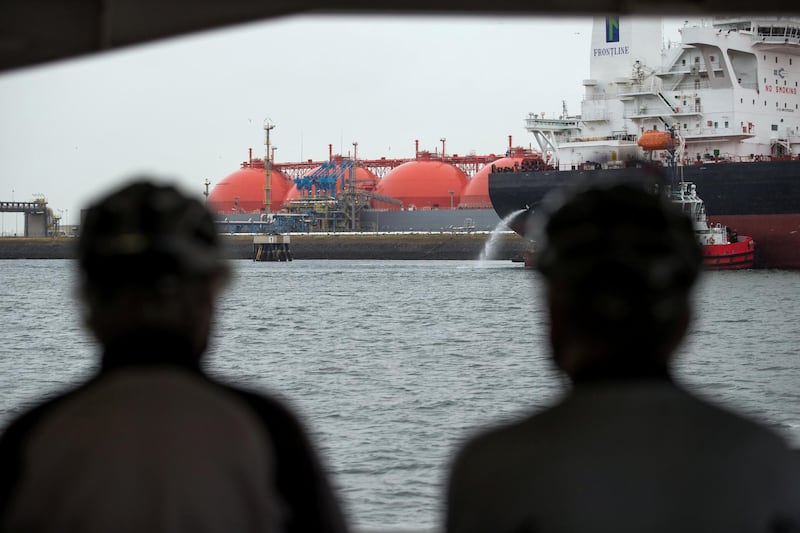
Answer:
(150, 443)
(626, 449)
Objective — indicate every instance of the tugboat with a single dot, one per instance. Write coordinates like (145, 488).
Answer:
(722, 248)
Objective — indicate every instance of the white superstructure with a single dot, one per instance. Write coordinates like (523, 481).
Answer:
(730, 88)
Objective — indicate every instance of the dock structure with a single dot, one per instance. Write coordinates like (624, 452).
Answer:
(271, 248)
(37, 216)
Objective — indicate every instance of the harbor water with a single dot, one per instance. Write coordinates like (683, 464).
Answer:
(391, 364)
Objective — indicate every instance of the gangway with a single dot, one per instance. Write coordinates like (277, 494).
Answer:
(325, 178)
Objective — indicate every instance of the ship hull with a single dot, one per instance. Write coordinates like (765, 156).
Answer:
(735, 255)
(759, 199)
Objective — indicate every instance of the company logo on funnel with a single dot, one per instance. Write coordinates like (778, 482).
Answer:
(612, 29)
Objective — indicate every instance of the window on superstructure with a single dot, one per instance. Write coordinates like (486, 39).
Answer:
(726, 123)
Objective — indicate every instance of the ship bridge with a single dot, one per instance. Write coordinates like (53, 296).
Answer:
(552, 132)
(782, 36)
(779, 34)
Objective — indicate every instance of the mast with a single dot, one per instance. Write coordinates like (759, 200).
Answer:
(268, 126)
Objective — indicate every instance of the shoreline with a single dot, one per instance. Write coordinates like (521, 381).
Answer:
(374, 246)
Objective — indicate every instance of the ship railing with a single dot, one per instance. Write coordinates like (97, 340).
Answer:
(654, 85)
(545, 123)
(691, 159)
(595, 96)
(777, 40)
(595, 116)
(687, 83)
(778, 33)
(396, 530)
(720, 132)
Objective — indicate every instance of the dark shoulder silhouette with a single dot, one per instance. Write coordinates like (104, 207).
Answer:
(627, 449)
(151, 443)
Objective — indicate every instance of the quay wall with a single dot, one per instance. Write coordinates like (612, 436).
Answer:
(379, 246)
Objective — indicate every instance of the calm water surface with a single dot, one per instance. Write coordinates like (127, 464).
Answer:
(392, 364)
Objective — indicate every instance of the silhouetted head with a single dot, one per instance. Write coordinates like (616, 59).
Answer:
(150, 260)
(619, 262)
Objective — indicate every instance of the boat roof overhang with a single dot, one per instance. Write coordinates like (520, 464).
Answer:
(40, 31)
(695, 139)
(788, 47)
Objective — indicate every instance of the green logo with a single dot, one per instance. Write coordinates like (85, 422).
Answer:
(612, 29)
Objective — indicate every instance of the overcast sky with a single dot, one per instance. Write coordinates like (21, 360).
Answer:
(188, 109)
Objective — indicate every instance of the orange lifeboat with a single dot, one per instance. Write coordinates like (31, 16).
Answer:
(655, 140)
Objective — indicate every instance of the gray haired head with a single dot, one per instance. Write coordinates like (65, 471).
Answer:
(150, 261)
(144, 233)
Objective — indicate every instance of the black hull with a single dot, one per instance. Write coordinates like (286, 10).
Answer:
(759, 199)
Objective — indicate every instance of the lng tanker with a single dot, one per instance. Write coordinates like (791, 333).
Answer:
(730, 88)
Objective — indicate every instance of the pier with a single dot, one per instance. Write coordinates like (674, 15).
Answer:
(271, 248)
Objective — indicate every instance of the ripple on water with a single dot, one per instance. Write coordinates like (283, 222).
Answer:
(393, 364)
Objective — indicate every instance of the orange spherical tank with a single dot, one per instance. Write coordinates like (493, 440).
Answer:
(365, 180)
(476, 193)
(422, 185)
(243, 191)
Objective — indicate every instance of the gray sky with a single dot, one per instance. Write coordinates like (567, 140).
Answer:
(188, 109)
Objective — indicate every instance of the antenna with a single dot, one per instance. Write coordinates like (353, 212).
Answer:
(268, 126)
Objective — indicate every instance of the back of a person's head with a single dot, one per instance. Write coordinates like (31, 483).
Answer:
(620, 261)
(147, 255)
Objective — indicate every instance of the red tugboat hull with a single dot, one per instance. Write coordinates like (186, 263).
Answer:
(730, 256)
